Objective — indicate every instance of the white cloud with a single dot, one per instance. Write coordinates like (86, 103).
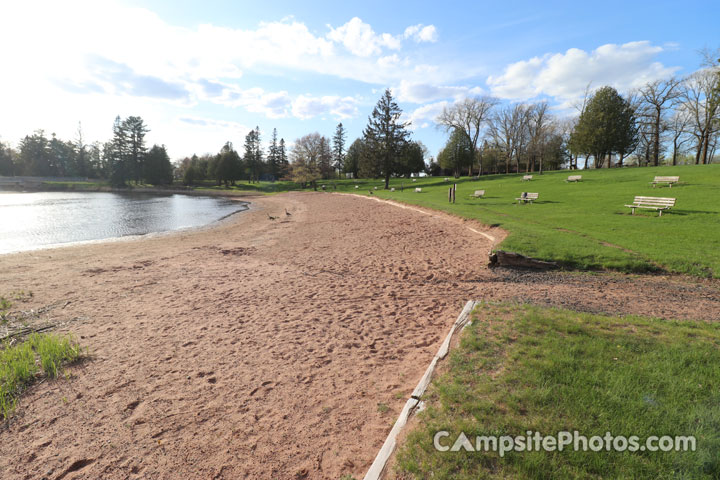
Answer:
(422, 92)
(423, 117)
(388, 61)
(360, 39)
(306, 106)
(421, 33)
(566, 75)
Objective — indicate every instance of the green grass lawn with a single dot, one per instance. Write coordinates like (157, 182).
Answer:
(585, 225)
(521, 368)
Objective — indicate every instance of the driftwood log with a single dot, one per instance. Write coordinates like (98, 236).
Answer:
(502, 258)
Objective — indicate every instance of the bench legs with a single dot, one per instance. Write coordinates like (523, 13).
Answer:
(633, 211)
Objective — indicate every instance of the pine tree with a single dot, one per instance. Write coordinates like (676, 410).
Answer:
(325, 157)
(135, 131)
(339, 148)
(116, 155)
(253, 156)
(607, 126)
(158, 169)
(283, 159)
(385, 136)
(273, 157)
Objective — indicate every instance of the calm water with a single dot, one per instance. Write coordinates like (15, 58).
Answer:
(29, 221)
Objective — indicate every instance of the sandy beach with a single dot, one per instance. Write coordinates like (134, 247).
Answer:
(269, 348)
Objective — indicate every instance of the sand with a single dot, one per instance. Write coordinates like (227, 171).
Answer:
(269, 348)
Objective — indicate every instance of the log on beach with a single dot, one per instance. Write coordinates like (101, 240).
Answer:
(502, 258)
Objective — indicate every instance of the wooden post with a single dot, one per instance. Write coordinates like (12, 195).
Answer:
(453, 191)
(450, 195)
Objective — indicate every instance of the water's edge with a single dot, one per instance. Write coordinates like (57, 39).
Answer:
(242, 206)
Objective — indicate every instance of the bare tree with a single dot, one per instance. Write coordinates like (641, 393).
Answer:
(540, 128)
(509, 129)
(658, 96)
(468, 116)
(678, 125)
(704, 108)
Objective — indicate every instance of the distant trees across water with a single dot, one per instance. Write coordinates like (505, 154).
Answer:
(123, 159)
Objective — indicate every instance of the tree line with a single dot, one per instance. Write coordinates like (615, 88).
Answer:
(123, 159)
(228, 166)
(663, 121)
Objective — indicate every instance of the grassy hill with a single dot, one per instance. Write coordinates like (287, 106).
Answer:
(585, 225)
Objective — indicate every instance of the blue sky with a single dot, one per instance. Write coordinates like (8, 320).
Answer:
(202, 73)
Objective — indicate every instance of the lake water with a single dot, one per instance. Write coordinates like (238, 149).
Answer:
(30, 221)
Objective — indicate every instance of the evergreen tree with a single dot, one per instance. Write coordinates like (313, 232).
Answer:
(81, 164)
(135, 131)
(385, 135)
(158, 169)
(457, 153)
(606, 127)
(34, 155)
(253, 157)
(283, 159)
(7, 160)
(117, 155)
(352, 158)
(228, 168)
(339, 148)
(412, 158)
(325, 159)
(273, 157)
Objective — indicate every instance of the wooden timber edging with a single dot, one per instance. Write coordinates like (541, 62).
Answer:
(377, 468)
(502, 258)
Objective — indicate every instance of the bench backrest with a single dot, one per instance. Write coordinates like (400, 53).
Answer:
(418, 190)
(573, 178)
(655, 201)
(667, 179)
(527, 177)
(531, 196)
(479, 193)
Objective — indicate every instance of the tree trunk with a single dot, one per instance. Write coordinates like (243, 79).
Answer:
(656, 139)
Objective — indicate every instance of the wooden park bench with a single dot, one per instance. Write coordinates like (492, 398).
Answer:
(418, 190)
(574, 178)
(527, 197)
(665, 180)
(652, 203)
(527, 178)
(478, 194)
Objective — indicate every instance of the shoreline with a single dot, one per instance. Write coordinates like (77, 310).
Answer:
(131, 238)
(266, 348)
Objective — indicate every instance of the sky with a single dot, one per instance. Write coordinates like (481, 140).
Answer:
(201, 73)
